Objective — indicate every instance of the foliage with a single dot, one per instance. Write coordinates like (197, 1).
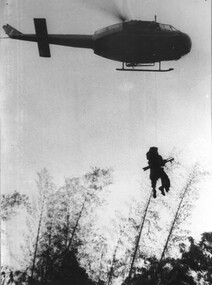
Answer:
(184, 194)
(60, 224)
(193, 268)
(10, 203)
(68, 241)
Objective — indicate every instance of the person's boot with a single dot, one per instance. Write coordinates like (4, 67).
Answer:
(162, 190)
(167, 189)
(154, 193)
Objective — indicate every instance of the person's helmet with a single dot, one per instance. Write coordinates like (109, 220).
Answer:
(153, 149)
(152, 152)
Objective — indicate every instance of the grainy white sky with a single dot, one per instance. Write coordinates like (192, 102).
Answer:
(74, 110)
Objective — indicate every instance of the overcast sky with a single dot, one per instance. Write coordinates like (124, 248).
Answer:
(74, 110)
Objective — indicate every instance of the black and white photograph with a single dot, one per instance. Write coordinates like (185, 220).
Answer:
(106, 162)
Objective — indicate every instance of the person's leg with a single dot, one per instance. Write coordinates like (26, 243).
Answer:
(153, 178)
(161, 188)
(154, 189)
(165, 181)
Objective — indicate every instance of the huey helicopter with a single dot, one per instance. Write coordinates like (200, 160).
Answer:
(134, 43)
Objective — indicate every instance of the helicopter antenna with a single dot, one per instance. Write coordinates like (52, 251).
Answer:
(155, 18)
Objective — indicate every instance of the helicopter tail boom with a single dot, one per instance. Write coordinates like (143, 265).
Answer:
(43, 39)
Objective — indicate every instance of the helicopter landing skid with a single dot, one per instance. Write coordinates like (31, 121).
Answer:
(144, 70)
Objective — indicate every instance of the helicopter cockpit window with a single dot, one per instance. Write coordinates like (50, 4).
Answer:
(108, 30)
(166, 27)
(173, 29)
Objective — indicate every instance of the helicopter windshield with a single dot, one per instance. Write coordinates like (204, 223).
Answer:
(165, 27)
(108, 30)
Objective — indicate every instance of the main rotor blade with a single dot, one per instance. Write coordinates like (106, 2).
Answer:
(109, 7)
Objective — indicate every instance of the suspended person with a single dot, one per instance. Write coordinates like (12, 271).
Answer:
(156, 164)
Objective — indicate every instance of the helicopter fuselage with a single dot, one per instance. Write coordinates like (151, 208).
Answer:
(141, 42)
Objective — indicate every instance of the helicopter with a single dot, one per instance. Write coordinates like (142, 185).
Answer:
(135, 43)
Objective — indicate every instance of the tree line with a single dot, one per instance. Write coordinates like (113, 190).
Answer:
(67, 243)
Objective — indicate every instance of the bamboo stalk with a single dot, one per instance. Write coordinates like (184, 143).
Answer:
(139, 237)
(76, 225)
(37, 237)
(176, 216)
(113, 262)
